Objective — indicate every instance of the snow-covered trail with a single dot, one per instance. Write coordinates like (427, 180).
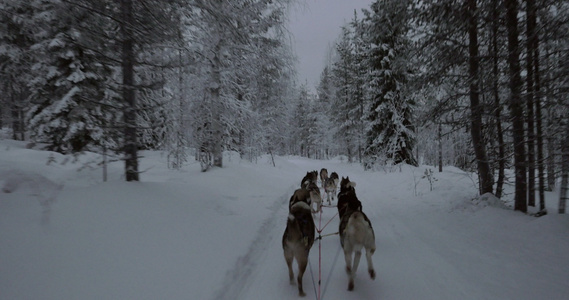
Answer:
(420, 255)
(217, 235)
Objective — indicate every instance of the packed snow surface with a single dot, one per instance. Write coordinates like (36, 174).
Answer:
(184, 234)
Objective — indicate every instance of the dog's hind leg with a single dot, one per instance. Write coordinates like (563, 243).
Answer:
(288, 254)
(302, 261)
(357, 258)
(349, 270)
(370, 268)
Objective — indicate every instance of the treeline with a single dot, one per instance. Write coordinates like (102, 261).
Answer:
(479, 84)
(127, 75)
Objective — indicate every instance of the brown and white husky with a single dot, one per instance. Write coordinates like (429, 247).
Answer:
(355, 230)
(297, 240)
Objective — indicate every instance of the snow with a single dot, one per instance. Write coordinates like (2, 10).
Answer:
(65, 234)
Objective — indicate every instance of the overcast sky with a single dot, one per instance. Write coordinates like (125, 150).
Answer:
(315, 25)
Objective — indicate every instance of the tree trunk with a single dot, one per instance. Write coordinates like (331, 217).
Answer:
(486, 180)
(217, 132)
(516, 110)
(538, 114)
(440, 137)
(497, 104)
(564, 191)
(530, 32)
(129, 97)
(550, 139)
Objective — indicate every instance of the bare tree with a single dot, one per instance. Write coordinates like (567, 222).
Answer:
(516, 110)
(486, 178)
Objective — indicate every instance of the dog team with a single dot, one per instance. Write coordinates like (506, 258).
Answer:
(355, 228)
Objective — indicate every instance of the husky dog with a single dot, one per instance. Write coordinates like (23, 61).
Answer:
(323, 176)
(297, 240)
(356, 233)
(310, 177)
(315, 196)
(300, 195)
(330, 187)
(334, 175)
(347, 194)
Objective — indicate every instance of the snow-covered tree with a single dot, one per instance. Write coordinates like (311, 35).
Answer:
(16, 22)
(72, 105)
(389, 126)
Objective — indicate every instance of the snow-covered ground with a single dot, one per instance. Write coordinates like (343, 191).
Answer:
(66, 234)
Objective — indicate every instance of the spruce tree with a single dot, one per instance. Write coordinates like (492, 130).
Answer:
(389, 128)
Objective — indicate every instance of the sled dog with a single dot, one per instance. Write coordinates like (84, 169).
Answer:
(307, 195)
(297, 241)
(330, 187)
(323, 176)
(347, 195)
(315, 196)
(356, 232)
(310, 177)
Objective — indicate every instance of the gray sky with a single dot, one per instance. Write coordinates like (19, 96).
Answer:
(315, 25)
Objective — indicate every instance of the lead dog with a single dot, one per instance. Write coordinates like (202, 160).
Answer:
(356, 232)
(297, 241)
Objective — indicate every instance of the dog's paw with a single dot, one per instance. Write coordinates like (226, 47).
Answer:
(351, 285)
(372, 273)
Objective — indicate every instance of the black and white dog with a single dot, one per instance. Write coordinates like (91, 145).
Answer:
(355, 230)
(310, 177)
(347, 194)
(297, 240)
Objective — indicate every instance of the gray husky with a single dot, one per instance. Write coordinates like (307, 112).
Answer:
(330, 187)
(356, 232)
(297, 240)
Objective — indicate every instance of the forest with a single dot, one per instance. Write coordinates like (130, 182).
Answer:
(476, 84)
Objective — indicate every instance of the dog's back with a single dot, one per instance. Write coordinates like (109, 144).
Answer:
(297, 240)
(300, 195)
(355, 230)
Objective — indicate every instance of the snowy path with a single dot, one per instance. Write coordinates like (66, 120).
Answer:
(217, 235)
(418, 256)
(239, 278)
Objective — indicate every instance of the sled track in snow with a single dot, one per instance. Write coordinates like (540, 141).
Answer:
(236, 279)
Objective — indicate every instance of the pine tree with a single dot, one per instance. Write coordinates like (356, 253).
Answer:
(390, 133)
(70, 104)
(344, 109)
(15, 62)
